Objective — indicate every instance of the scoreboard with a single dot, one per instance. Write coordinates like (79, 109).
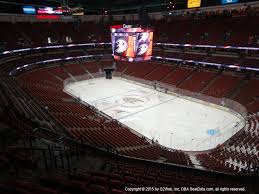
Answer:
(193, 3)
(228, 1)
(131, 44)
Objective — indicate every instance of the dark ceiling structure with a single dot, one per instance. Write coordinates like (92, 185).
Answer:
(13, 6)
(92, 5)
(95, 4)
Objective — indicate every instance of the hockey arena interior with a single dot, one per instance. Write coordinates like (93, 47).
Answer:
(116, 97)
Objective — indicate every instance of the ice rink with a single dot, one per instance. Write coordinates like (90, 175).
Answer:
(173, 121)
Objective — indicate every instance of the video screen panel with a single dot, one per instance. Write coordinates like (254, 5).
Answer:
(132, 44)
(29, 10)
(52, 10)
(193, 3)
(228, 1)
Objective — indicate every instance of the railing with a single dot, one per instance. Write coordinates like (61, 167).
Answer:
(232, 105)
(229, 129)
(222, 103)
(76, 95)
(63, 150)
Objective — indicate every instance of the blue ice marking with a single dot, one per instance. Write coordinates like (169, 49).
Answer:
(212, 132)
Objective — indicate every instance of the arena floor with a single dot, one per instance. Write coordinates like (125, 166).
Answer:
(173, 121)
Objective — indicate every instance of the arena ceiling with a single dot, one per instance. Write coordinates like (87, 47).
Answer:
(90, 5)
(116, 4)
(112, 5)
(94, 3)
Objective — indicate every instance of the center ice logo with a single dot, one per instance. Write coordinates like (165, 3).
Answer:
(133, 101)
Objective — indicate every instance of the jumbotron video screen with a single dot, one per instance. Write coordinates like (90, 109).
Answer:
(131, 44)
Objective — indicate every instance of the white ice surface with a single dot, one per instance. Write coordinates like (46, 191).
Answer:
(175, 122)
